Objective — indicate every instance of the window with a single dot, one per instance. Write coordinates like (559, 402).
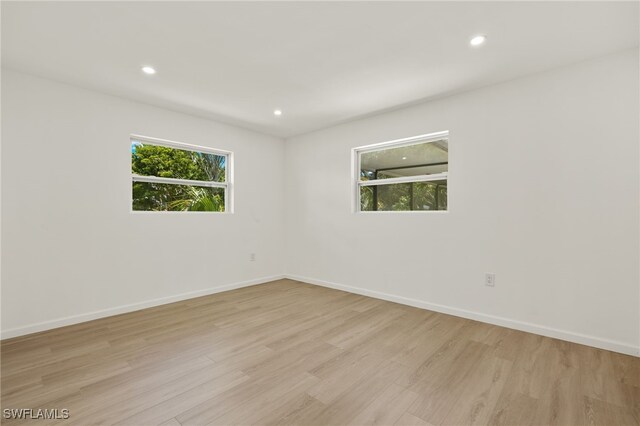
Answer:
(174, 177)
(404, 175)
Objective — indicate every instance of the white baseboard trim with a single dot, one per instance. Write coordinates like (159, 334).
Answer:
(75, 319)
(569, 336)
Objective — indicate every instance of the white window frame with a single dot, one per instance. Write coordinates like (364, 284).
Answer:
(356, 158)
(227, 184)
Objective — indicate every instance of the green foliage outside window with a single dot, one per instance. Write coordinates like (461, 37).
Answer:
(166, 162)
(404, 196)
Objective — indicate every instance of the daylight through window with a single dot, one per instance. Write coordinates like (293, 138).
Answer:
(404, 175)
(175, 177)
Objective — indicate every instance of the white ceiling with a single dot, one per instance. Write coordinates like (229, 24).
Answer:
(322, 63)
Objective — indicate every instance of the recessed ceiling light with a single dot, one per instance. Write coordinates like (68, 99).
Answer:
(404, 158)
(277, 112)
(478, 40)
(148, 70)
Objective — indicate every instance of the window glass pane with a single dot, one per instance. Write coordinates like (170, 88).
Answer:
(167, 162)
(169, 197)
(394, 197)
(409, 160)
(404, 196)
(366, 198)
(442, 197)
(430, 195)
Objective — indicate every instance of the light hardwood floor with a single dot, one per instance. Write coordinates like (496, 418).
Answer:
(293, 353)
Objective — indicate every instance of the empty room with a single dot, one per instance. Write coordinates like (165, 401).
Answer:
(320, 213)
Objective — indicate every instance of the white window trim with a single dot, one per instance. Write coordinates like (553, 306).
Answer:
(227, 184)
(356, 158)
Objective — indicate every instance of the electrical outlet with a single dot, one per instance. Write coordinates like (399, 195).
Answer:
(490, 279)
(252, 257)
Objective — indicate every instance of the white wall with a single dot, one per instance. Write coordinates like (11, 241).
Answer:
(543, 191)
(70, 244)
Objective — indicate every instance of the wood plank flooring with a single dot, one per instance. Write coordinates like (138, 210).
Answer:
(292, 353)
